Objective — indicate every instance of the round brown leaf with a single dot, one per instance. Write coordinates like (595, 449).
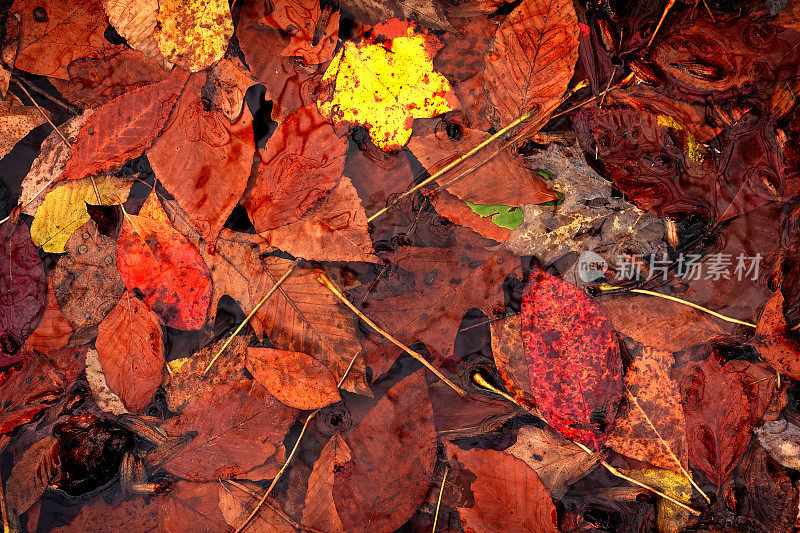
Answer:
(532, 59)
(296, 379)
(131, 350)
(508, 495)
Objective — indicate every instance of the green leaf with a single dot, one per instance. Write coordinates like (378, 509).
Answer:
(502, 215)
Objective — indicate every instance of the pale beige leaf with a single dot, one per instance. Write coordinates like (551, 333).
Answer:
(136, 20)
(106, 399)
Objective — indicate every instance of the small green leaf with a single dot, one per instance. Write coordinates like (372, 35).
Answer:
(502, 215)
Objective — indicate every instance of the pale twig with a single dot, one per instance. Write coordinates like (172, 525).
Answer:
(605, 287)
(669, 5)
(439, 500)
(254, 512)
(251, 315)
(42, 111)
(327, 283)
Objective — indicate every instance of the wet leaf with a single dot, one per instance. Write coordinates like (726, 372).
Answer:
(384, 82)
(53, 331)
(203, 160)
(671, 518)
(385, 480)
(299, 18)
(300, 164)
(296, 379)
(151, 255)
(131, 350)
(106, 399)
(17, 121)
(531, 59)
(506, 491)
(193, 34)
(31, 475)
(774, 341)
(320, 510)
(23, 291)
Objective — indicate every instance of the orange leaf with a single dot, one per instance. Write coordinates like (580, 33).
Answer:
(296, 379)
(131, 351)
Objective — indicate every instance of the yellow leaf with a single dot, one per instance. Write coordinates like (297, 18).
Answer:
(670, 518)
(64, 209)
(193, 34)
(386, 81)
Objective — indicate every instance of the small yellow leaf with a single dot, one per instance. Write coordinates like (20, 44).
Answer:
(64, 209)
(386, 81)
(193, 34)
(669, 517)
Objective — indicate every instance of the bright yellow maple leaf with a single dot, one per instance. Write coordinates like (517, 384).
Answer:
(386, 81)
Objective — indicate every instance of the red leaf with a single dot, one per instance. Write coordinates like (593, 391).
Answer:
(301, 163)
(155, 259)
(203, 160)
(123, 128)
(296, 379)
(570, 357)
(507, 491)
(23, 291)
(131, 350)
(774, 341)
(53, 331)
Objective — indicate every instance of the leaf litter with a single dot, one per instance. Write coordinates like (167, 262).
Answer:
(399, 266)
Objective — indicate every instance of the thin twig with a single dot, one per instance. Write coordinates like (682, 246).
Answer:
(291, 455)
(683, 302)
(42, 111)
(251, 315)
(439, 500)
(660, 22)
(327, 283)
(68, 107)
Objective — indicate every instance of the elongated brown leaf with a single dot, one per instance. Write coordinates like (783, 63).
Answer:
(531, 59)
(131, 350)
(123, 128)
(31, 475)
(296, 379)
(320, 509)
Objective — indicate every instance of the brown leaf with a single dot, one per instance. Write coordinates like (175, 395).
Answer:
(135, 21)
(237, 502)
(131, 350)
(53, 331)
(123, 128)
(387, 478)
(774, 341)
(427, 12)
(70, 30)
(86, 282)
(106, 399)
(191, 506)
(237, 424)
(301, 162)
(644, 431)
(226, 85)
(502, 180)
(296, 379)
(507, 491)
(31, 475)
(17, 121)
(320, 509)
(334, 229)
(203, 160)
(558, 462)
(458, 212)
(290, 84)
(719, 421)
(299, 19)
(303, 316)
(531, 59)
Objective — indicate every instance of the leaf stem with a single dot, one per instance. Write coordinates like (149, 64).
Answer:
(251, 315)
(327, 283)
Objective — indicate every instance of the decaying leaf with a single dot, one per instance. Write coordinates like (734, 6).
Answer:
(106, 399)
(131, 350)
(384, 82)
(299, 18)
(16, 121)
(53, 331)
(23, 291)
(774, 341)
(151, 255)
(296, 379)
(86, 282)
(558, 462)
(782, 441)
(320, 510)
(671, 518)
(31, 475)
(193, 34)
